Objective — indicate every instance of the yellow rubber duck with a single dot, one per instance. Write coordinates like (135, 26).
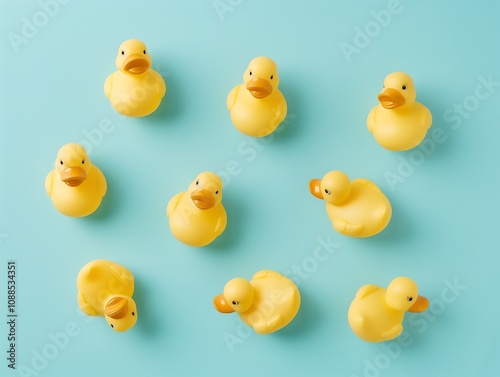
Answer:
(257, 106)
(76, 186)
(135, 90)
(197, 216)
(267, 303)
(356, 208)
(105, 289)
(376, 314)
(399, 122)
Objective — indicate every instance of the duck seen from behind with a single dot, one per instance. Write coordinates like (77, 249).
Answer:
(105, 289)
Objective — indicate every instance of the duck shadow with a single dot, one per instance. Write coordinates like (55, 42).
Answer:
(230, 238)
(148, 324)
(291, 127)
(399, 230)
(306, 319)
(171, 105)
(108, 204)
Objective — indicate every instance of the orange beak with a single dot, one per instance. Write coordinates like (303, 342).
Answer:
(203, 199)
(315, 188)
(420, 305)
(391, 98)
(259, 88)
(221, 305)
(73, 176)
(136, 64)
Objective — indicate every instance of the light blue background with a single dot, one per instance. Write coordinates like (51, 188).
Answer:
(445, 207)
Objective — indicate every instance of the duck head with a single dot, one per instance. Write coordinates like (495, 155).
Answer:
(261, 77)
(402, 294)
(120, 313)
(206, 190)
(334, 187)
(237, 297)
(133, 57)
(72, 164)
(398, 91)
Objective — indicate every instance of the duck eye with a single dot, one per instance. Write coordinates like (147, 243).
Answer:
(83, 161)
(328, 192)
(62, 163)
(123, 52)
(234, 302)
(410, 299)
(133, 313)
(403, 87)
(272, 76)
(197, 183)
(112, 326)
(250, 73)
(144, 51)
(216, 192)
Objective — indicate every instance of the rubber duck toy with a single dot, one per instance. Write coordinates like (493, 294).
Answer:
(136, 89)
(399, 122)
(105, 289)
(76, 186)
(197, 216)
(376, 314)
(257, 106)
(357, 208)
(267, 303)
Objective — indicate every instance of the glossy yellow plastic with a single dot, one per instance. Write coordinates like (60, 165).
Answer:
(356, 208)
(376, 314)
(105, 289)
(197, 216)
(76, 186)
(135, 90)
(399, 122)
(267, 303)
(257, 106)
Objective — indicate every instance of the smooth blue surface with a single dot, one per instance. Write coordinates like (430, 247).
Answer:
(443, 231)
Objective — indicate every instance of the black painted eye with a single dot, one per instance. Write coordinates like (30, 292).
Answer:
(83, 161)
(112, 326)
(123, 52)
(234, 302)
(197, 183)
(250, 73)
(133, 313)
(328, 192)
(62, 163)
(403, 87)
(272, 76)
(144, 51)
(216, 192)
(410, 299)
